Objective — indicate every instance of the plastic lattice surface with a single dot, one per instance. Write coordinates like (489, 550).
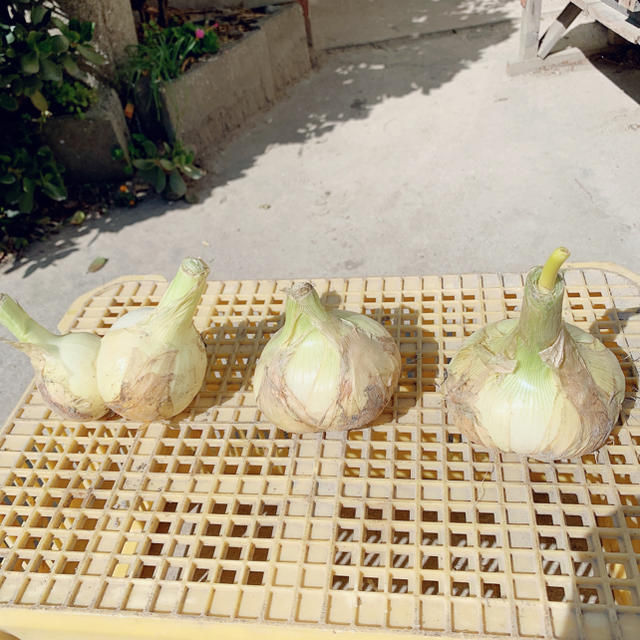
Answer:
(405, 526)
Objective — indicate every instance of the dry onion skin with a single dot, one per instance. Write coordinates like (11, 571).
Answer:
(64, 366)
(325, 370)
(536, 386)
(152, 361)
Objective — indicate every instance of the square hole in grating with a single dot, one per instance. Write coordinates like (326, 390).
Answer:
(588, 595)
(460, 563)
(206, 551)
(373, 514)
(369, 583)
(254, 577)
(232, 553)
(226, 576)
(372, 536)
(399, 585)
(491, 590)
(370, 559)
(402, 515)
(458, 539)
(431, 562)
(342, 557)
(264, 531)
(260, 554)
(555, 593)
(347, 512)
(399, 536)
(430, 587)
(460, 589)
(341, 582)
(401, 561)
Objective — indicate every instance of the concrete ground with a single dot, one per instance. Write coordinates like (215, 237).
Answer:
(413, 156)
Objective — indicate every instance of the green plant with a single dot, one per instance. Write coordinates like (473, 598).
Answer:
(42, 56)
(165, 54)
(164, 167)
(70, 97)
(38, 46)
(26, 170)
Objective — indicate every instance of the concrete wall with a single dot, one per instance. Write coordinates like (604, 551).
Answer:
(209, 4)
(218, 95)
(83, 145)
(115, 28)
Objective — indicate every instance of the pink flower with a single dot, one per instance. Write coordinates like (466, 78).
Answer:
(199, 34)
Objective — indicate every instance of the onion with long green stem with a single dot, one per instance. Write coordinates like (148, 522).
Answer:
(64, 365)
(325, 370)
(535, 385)
(152, 361)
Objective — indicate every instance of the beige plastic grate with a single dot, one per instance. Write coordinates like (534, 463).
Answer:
(221, 523)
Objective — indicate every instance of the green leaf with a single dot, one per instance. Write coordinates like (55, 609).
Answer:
(7, 178)
(39, 101)
(25, 202)
(176, 184)
(70, 66)
(8, 102)
(192, 172)
(159, 180)
(143, 163)
(64, 29)
(50, 70)
(45, 47)
(17, 86)
(57, 192)
(90, 54)
(59, 44)
(150, 149)
(86, 31)
(117, 153)
(97, 264)
(30, 63)
(167, 165)
(38, 12)
(32, 84)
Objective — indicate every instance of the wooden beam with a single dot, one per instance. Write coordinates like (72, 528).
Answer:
(558, 28)
(530, 29)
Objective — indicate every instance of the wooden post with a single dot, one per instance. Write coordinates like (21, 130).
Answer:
(307, 22)
(558, 28)
(530, 29)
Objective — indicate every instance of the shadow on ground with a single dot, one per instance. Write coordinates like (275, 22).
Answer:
(348, 85)
(619, 63)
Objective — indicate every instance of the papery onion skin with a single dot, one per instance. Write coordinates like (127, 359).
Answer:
(535, 386)
(325, 370)
(153, 361)
(64, 365)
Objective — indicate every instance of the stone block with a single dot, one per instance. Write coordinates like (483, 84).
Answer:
(83, 144)
(288, 49)
(219, 94)
(115, 28)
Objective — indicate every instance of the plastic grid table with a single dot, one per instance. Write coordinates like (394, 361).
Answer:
(220, 523)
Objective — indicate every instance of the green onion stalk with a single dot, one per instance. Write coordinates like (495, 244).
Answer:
(536, 386)
(152, 361)
(64, 365)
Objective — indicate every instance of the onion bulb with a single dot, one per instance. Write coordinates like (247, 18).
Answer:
(152, 361)
(535, 385)
(65, 366)
(325, 370)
